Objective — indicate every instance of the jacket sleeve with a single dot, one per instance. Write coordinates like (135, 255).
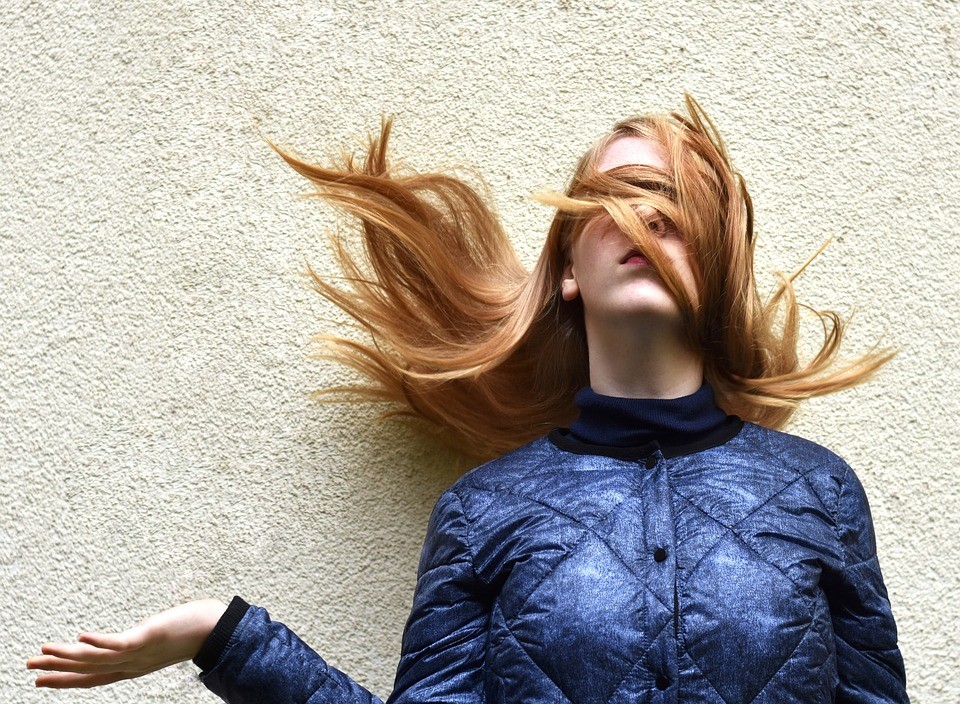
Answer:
(869, 663)
(442, 649)
(445, 637)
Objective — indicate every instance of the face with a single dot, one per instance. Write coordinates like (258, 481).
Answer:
(600, 268)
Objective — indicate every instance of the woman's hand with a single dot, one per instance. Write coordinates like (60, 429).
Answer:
(160, 640)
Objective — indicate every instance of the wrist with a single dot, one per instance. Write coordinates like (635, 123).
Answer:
(209, 613)
(212, 648)
(183, 629)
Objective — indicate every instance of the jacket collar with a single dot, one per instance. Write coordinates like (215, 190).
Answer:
(634, 428)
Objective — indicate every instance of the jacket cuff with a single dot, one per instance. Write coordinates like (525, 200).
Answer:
(216, 642)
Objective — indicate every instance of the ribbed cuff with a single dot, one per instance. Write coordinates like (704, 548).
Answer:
(216, 642)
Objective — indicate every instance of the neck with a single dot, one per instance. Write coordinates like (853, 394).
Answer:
(644, 361)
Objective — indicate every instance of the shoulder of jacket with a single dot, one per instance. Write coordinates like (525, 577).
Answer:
(822, 468)
(793, 449)
(506, 469)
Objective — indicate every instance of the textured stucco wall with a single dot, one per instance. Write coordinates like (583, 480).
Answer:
(156, 441)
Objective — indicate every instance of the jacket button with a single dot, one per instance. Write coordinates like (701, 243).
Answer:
(659, 554)
(663, 681)
(650, 462)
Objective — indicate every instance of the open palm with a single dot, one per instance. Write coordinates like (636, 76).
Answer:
(166, 638)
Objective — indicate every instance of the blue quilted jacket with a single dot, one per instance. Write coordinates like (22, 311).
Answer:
(735, 566)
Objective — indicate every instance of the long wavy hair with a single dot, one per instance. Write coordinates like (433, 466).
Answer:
(489, 354)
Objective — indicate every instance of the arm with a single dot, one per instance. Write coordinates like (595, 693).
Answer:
(869, 663)
(443, 641)
(251, 658)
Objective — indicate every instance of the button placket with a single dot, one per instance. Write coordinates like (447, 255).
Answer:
(659, 540)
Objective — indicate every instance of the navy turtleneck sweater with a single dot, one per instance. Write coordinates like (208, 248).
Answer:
(635, 427)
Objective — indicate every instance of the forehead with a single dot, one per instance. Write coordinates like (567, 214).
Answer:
(632, 150)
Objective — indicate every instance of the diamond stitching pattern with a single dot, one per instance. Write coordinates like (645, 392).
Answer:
(816, 494)
(708, 680)
(636, 662)
(500, 492)
(732, 528)
(553, 568)
(731, 531)
(728, 531)
(743, 687)
(780, 471)
(588, 529)
(534, 662)
(783, 664)
(646, 640)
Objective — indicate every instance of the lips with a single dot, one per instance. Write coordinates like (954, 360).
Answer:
(634, 257)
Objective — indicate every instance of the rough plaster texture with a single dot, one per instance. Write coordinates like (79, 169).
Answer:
(156, 439)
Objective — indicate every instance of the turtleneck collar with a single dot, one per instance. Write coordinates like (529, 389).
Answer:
(631, 428)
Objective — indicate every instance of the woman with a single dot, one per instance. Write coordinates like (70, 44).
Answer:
(670, 541)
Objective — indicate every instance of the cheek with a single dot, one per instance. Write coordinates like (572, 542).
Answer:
(586, 253)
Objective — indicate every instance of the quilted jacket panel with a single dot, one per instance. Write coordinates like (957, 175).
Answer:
(742, 573)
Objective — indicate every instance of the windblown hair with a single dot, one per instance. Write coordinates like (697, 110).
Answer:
(489, 354)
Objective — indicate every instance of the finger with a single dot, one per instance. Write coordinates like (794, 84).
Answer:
(83, 652)
(128, 640)
(52, 645)
(63, 681)
(50, 662)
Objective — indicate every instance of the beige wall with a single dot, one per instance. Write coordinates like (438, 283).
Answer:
(156, 440)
